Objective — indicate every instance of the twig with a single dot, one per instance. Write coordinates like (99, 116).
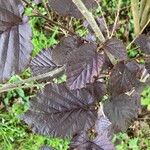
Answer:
(116, 19)
(46, 8)
(89, 17)
(138, 34)
(21, 84)
(135, 12)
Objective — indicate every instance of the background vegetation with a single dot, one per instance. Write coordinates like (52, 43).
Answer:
(14, 134)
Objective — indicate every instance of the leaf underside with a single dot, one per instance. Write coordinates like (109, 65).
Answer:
(68, 8)
(57, 111)
(15, 39)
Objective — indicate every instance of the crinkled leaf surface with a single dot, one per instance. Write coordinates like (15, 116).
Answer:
(62, 51)
(124, 77)
(121, 110)
(15, 39)
(101, 142)
(143, 42)
(57, 111)
(83, 66)
(68, 8)
(96, 89)
(116, 49)
(43, 63)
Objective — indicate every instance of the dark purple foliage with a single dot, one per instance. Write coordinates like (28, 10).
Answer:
(83, 66)
(93, 70)
(68, 8)
(143, 42)
(122, 110)
(15, 39)
(57, 111)
(116, 49)
(124, 77)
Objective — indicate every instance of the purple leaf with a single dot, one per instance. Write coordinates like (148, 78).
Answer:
(62, 51)
(15, 39)
(57, 111)
(121, 110)
(102, 141)
(124, 77)
(143, 42)
(43, 63)
(68, 8)
(83, 66)
(116, 49)
(96, 89)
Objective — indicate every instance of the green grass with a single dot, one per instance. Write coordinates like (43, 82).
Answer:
(16, 135)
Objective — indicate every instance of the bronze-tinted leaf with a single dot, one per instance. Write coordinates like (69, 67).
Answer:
(96, 89)
(143, 42)
(121, 110)
(57, 111)
(83, 66)
(43, 63)
(68, 8)
(116, 48)
(124, 77)
(15, 39)
(62, 51)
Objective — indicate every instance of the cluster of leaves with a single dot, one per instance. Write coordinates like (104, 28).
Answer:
(71, 109)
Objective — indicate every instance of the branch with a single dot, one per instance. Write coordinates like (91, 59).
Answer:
(89, 17)
(145, 14)
(22, 83)
(135, 12)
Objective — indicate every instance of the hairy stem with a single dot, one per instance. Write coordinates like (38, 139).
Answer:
(89, 17)
(135, 12)
(22, 83)
(145, 14)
